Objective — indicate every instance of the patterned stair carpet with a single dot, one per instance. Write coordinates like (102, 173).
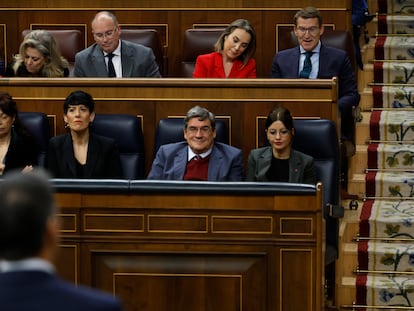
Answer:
(395, 125)
(398, 72)
(393, 96)
(390, 156)
(394, 48)
(396, 7)
(385, 277)
(385, 219)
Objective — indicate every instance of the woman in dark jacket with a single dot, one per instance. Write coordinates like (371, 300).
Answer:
(80, 153)
(279, 161)
(18, 149)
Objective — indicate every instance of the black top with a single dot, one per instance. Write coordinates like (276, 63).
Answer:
(102, 161)
(22, 71)
(22, 151)
(279, 170)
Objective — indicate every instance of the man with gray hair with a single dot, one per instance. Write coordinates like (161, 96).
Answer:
(28, 243)
(199, 157)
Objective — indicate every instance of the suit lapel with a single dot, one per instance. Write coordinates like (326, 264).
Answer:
(214, 164)
(180, 163)
(68, 157)
(98, 62)
(264, 162)
(295, 167)
(323, 69)
(92, 156)
(126, 60)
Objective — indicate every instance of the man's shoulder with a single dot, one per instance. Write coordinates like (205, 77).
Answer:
(86, 297)
(134, 46)
(225, 148)
(89, 50)
(171, 147)
(333, 50)
(287, 52)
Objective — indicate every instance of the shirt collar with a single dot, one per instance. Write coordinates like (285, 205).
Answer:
(116, 52)
(191, 154)
(317, 49)
(26, 264)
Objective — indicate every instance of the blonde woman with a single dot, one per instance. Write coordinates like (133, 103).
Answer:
(39, 56)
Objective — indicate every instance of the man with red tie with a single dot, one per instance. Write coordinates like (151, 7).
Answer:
(199, 157)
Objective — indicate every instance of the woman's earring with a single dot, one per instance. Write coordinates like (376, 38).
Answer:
(66, 125)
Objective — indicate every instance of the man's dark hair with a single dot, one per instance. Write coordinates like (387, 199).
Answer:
(308, 12)
(26, 204)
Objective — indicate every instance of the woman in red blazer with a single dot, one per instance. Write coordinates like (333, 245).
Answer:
(233, 54)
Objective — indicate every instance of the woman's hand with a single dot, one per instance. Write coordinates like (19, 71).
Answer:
(27, 169)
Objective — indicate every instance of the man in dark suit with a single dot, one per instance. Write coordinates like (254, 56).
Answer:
(326, 62)
(110, 56)
(200, 157)
(28, 242)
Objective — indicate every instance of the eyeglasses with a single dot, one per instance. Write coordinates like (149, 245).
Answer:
(194, 129)
(109, 34)
(312, 30)
(282, 132)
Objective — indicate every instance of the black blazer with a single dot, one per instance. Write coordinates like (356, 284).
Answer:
(102, 160)
(22, 151)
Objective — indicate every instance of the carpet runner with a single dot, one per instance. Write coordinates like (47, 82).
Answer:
(393, 96)
(398, 72)
(395, 125)
(386, 228)
(394, 48)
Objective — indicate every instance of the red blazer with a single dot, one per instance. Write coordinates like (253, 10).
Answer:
(211, 66)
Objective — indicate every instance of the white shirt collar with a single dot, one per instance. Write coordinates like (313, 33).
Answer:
(317, 49)
(117, 51)
(191, 154)
(33, 263)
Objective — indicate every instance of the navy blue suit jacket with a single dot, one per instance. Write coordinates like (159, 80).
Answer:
(226, 163)
(42, 291)
(333, 62)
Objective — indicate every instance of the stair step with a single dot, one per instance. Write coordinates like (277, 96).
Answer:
(362, 129)
(358, 163)
(386, 256)
(350, 258)
(345, 288)
(356, 185)
(366, 76)
(367, 102)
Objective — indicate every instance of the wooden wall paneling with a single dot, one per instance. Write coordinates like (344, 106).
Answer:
(99, 4)
(178, 18)
(226, 251)
(3, 45)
